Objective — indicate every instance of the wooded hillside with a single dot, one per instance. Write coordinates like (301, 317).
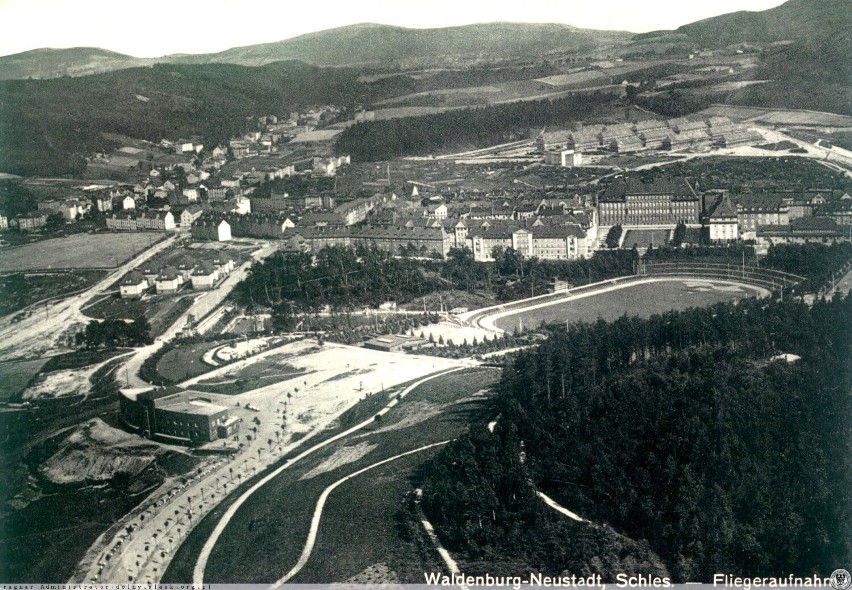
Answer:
(680, 431)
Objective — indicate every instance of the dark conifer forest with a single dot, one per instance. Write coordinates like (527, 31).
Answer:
(687, 433)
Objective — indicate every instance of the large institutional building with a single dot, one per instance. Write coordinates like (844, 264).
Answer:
(176, 417)
(631, 202)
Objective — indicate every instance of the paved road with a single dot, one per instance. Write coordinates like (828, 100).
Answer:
(41, 333)
(844, 284)
(315, 520)
(204, 303)
(204, 556)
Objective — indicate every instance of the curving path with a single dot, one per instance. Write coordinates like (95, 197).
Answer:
(204, 555)
(487, 322)
(315, 521)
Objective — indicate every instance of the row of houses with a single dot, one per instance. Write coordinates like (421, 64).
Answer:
(506, 209)
(70, 209)
(225, 226)
(283, 202)
(152, 220)
(729, 216)
(550, 238)
(29, 222)
(742, 216)
(652, 134)
(203, 276)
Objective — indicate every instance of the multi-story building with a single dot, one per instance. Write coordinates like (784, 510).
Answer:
(146, 220)
(722, 218)
(754, 211)
(162, 415)
(189, 215)
(800, 231)
(356, 211)
(30, 222)
(211, 228)
(425, 241)
(839, 211)
(634, 203)
(536, 240)
(169, 280)
(254, 225)
(204, 276)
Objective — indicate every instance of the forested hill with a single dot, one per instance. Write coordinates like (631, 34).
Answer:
(795, 20)
(364, 44)
(384, 45)
(468, 128)
(48, 125)
(679, 431)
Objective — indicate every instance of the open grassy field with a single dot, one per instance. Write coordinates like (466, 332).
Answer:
(81, 358)
(185, 362)
(643, 300)
(266, 537)
(368, 508)
(20, 289)
(15, 376)
(105, 250)
(256, 379)
(272, 369)
(642, 238)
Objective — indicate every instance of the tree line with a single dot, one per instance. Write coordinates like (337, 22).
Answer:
(113, 333)
(685, 432)
(391, 138)
(345, 277)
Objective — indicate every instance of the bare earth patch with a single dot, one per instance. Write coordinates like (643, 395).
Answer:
(95, 451)
(60, 383)
(339, 458)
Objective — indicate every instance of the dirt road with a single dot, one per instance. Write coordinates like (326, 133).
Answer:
(43, 333)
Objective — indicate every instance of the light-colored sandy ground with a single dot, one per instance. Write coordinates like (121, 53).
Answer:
(339, 458)
(242, 349)
(60, 383)
(66, 382)
(95, 451)
(48, 329)
(336, 377)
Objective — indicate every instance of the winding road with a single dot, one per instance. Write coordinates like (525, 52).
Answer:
(315, 520)
(204, 556)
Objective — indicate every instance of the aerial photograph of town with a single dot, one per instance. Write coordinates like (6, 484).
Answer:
(464, 293)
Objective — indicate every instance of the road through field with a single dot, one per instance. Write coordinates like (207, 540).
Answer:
(41, 333)
(204, 303)
(315, 520)
(204, 556)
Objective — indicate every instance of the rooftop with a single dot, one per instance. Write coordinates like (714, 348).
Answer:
(197, 407)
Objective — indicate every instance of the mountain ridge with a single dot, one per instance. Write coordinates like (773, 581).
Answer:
(363, 44)
(793, 20)
(374, 45)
